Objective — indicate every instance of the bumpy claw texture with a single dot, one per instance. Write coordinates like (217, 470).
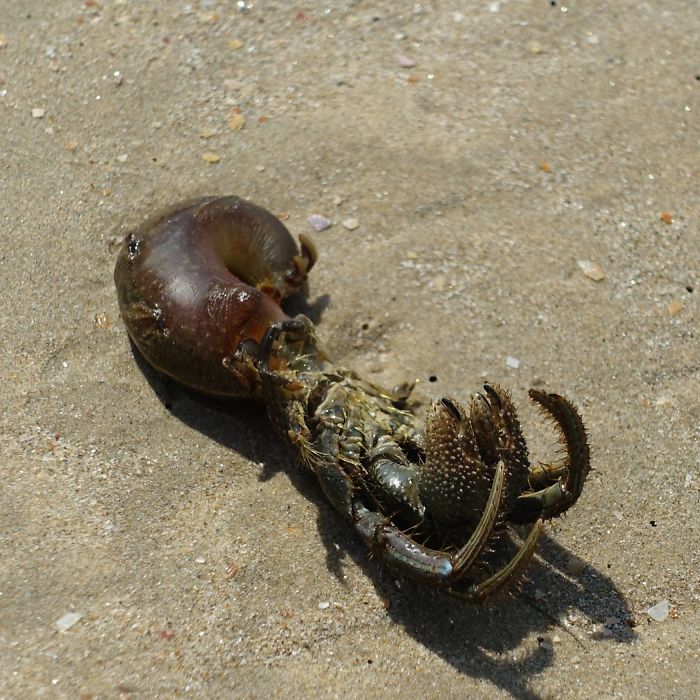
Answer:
(446, 504)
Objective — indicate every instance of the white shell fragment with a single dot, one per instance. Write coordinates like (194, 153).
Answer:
(67, 621)
(660, 611)
(405, 61)
(351, 224)
(592, 270)
(319, 222)
(512, 362)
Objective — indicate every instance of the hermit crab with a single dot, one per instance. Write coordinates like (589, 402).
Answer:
(454, 502)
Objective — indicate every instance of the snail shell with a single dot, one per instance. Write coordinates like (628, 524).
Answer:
(197, 281)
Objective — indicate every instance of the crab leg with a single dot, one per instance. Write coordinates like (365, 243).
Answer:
(480, 591)
(564, 479)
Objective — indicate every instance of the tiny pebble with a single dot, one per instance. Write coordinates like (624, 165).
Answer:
(351, 224)
(337, 200)
(494, 7)
(660, 611)
(324, 605)
(210, 157)
(592, 270)
(535, 47)
(67, 621)
(512, 362)
(319, 222)
(123, 157)
(539, 594)
(201, 560)
(38, 112)
(575, 566)
(675, 307)
(546, 645)
(405, 61)
(667, 217)
(593, 39)
(236, 122)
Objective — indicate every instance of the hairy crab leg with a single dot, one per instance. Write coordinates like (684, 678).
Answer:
(478, 592)
(564, 479)
(197, 281)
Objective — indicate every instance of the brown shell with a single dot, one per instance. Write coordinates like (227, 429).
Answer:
(196, 281)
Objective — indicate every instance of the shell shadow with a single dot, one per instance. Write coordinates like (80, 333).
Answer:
(506, 641)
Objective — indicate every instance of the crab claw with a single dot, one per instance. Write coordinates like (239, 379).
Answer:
(462, 453)
(555, 487)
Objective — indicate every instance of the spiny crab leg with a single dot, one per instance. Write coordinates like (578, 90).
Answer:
(561, 482)
(478, 592)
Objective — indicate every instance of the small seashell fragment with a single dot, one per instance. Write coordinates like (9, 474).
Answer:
(67, 621)
(236, 122)
(38, 112)
(512, 362)
(592, 270)
(210, 157)
(351, 224)
(405, 61)
(319, 222)
(575, 566)
(660, 611)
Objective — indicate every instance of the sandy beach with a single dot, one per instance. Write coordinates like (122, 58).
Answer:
(513, 188)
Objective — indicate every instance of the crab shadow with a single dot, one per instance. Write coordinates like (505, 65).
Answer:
(508, 641)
